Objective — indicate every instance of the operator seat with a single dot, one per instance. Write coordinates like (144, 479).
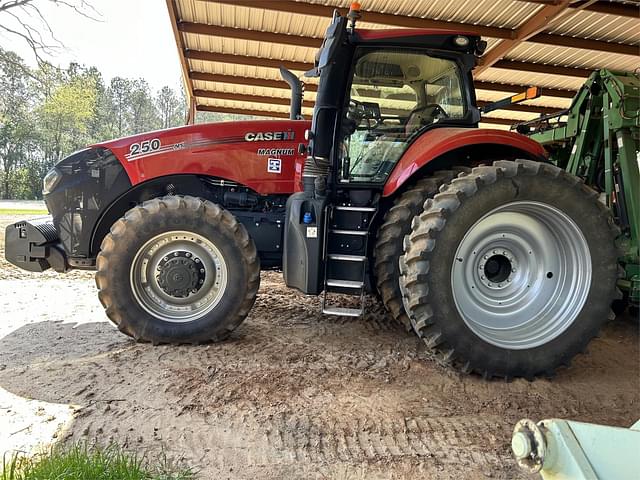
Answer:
(420, 117)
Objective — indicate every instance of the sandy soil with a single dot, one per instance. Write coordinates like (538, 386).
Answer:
(292, 394)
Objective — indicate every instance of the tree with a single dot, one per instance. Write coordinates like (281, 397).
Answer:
(46, 113)
(65, 115)
(118, 95)
(144, 116)
(170, 107)
(15, 120)
(24, 20)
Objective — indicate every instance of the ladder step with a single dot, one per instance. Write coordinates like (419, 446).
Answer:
(355, 209)
(332, 282)
(349, 232)
(346, 258)
(343, 312)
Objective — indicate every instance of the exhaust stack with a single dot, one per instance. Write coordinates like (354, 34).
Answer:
(296, 93)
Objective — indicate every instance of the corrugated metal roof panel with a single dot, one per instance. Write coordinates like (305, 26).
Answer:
(508, 14)
(598, 26)
(495, 13)
(573, 57)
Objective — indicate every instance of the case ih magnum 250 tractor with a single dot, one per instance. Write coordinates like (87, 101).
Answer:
(504, 264)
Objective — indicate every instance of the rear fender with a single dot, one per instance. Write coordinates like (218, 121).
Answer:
(443, 148)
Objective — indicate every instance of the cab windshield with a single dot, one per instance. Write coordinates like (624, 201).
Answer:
(395, 94)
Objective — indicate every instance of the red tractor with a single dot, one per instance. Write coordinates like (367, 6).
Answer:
(504, 264)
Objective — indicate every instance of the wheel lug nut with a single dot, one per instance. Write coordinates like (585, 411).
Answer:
(513, 270)
(485, 257)
(482, 277)
(202, 270)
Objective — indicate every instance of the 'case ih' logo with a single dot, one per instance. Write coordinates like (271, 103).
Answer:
(268, 136)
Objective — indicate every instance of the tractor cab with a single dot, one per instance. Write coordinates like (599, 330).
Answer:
(379, 90)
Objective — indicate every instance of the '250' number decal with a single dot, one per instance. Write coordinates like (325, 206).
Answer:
(144, 147)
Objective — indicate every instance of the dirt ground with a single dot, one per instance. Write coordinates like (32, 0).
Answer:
(292, 394)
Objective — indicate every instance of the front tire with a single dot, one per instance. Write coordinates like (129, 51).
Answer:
(177, 269)
(511, 270)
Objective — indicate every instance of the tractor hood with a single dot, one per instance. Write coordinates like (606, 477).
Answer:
(263, 155)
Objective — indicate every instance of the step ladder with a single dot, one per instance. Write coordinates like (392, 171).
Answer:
(347, 230)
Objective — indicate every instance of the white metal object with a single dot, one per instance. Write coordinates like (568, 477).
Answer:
(563, 450)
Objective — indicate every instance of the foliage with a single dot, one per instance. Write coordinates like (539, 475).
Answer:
(47, 113)
(80, 462)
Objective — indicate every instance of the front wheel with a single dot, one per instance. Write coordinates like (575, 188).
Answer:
(511, 270)
(177, 270)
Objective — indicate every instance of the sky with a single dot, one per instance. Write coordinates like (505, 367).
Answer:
(133, 38)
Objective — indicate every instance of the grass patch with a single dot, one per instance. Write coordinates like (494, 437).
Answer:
(80, 462)
(18, 211)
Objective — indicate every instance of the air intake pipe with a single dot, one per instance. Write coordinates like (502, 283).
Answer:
(296, 93)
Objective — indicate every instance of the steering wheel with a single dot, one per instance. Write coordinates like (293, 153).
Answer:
(359, 111)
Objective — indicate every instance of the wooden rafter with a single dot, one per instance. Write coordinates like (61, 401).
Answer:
(279, 114)
(414, 22)
(311, 87)
(535, 24)
(270, 100)
(303, 66)
(188, 84)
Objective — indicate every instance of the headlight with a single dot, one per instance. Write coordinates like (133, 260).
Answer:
(50, 181)
(461, 41)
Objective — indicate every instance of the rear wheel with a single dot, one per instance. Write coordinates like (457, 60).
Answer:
(177, 270)
(511, 270)
(388, 248)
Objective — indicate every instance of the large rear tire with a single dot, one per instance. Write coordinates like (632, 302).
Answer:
(510, 271)
(389, 243)
(177, 270)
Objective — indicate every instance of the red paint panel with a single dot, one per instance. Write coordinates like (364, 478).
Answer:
(439, 141)
(218, 150)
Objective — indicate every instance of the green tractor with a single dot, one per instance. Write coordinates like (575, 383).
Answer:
(597, 139)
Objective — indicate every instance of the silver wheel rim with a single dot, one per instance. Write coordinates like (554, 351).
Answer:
(210, 272)
(521, 275)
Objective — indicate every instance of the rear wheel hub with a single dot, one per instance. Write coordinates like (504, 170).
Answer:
(180, 274)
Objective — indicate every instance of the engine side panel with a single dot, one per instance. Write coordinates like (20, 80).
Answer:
(439, 141)
(262, 155)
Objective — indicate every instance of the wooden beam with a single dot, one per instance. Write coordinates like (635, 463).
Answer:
(585, 44)
(303, 66)
(499, 121)
(542, 68)
(416, 22)
(317, 10)
(188, 84)
(312, 87)
(246, 111)
(241, 97)
(535, 24)
(520, 107)
(247, 60)
(610, 8)
(254, 82)
(254, 35)
(276, 114)
(269, 100)
(511, 88)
